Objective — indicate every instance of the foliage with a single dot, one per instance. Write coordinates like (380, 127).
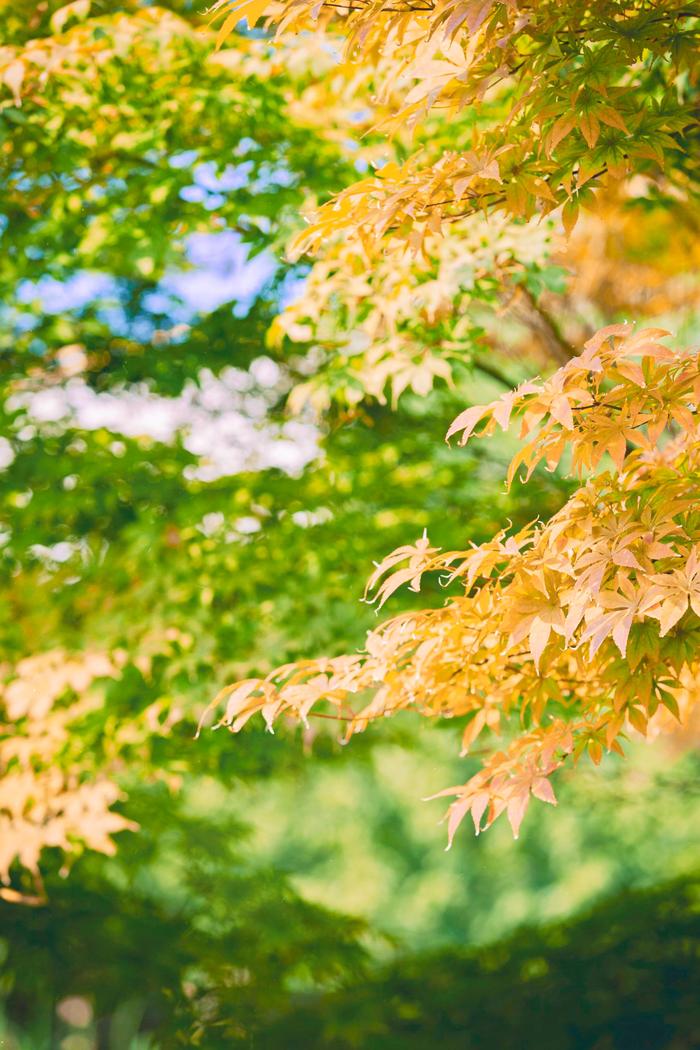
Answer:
(623, 551)
(130, 559)
(604, 86)
(621, 554)
(620, 977)
(497, 112)
(403, 324)
(169, 525)
(109, 219)
(43, 804)
(180, 937)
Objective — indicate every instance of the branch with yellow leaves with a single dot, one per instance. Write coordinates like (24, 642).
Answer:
(568, 634)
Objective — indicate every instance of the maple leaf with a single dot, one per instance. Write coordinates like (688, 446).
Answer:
(419, 558)
(671, 594)
(612, 615)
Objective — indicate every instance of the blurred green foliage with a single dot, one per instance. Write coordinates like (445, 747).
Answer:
(181, 935)
(622, 977)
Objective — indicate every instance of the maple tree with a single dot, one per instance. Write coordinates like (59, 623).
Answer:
(509, 109)
(571, 631)
(69, 185)
(168, 527)
(565, 624)
(604, 86)
(387, 322)
(126, 582)
(72, 73)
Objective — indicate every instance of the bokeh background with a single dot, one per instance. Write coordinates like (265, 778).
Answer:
(168, 526)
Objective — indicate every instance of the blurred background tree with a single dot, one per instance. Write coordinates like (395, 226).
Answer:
(168, 526)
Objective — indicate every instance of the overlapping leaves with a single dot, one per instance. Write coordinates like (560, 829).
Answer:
(536, 647)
